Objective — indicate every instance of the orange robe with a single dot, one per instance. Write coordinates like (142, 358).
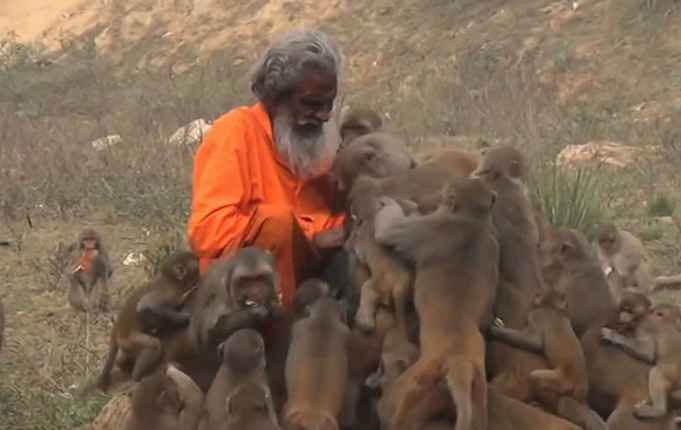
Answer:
(244, 194)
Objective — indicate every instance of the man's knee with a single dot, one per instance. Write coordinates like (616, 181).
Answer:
(278, 222)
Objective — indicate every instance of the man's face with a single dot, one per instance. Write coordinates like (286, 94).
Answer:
(311, 106)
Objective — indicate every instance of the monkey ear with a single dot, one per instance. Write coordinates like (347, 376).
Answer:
(566, 249)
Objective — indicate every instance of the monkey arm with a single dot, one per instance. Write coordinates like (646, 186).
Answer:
(159, 306)
(527, 339)
(640, 349)
(406, 233)
(236, 320)
(190, 395)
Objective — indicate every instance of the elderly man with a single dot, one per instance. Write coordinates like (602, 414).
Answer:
(261, 174)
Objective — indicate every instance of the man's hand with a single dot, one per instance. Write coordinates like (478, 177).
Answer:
(330, 238)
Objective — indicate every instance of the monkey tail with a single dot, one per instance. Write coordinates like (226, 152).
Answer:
(459, 377)
(104, 379)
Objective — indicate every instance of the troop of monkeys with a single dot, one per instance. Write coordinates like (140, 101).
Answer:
(467, 311)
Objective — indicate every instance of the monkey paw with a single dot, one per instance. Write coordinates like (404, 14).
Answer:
(646, 411)
(498, 322)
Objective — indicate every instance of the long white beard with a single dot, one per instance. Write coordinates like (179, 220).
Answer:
(302, 152)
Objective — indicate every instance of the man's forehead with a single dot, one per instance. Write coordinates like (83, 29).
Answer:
(319, 83)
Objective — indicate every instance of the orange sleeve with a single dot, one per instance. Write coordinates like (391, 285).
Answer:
(219, 202)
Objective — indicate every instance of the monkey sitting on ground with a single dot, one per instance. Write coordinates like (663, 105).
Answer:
(165, 400)
(89, 280)
(235, 293)
(549, 331)
(658, 343)
(243, 361)
(456, 255)
(358, 122)
(567, 266)
(317, 368)
(621, 252)
(132, 349)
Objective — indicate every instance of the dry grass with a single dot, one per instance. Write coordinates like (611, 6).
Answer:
(434, 90)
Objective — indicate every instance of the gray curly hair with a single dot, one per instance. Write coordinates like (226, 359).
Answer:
(278, 73)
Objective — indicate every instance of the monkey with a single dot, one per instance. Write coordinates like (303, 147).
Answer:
(132, 349)
(567, 266)
(503, 169)
(389, 281)
(658, 344)
(317, 368)
(237, 292)
(243, 361)
(456, 255)
(620, 251)
(398, 354)
(248, 407)
(358, 122)
(549, 332)
(167, 399)
(631, 310)
(377, 154)
(307, 293)
(89, 280)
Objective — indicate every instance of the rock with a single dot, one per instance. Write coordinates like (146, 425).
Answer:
(190, 134)
(133, 259)
(106, 142)
(609, 154)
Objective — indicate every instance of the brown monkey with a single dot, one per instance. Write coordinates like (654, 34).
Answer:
(236, 292)
(307, 293)
(378, 155)
(89, 280)
(632, 308)
(133, 349)
(317, 368)
(390, 280)
(503, 170)
(248, 407)
(456, 255)
(620, 251)
(658, 343)
(542, 223)
(243, 361)
(165, 400)
(549, 332)
(568, 267)
(358, 122)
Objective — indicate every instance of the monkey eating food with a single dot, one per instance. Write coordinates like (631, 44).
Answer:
(89, 280)
(235, 293)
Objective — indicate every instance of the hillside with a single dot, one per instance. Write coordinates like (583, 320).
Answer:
(539, 74)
